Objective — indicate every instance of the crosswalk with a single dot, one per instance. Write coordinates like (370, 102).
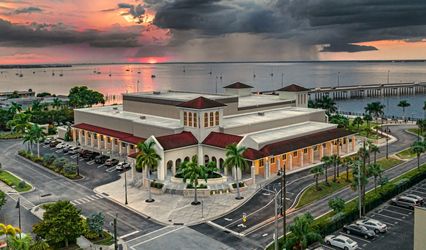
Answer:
(87, 199)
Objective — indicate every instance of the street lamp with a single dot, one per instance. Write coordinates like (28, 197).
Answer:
(125, 178)
(78, 160)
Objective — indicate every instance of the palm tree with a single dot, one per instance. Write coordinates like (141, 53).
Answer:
(302, 232)
(375, 109)
(347, 162)
(403, 104)
(357, 122)
(15, 108)
(234, 158)
(421, 124)
(191, 171)
(148, 159)
(418, 148)
(57, 103)
(36, 105)
(23, 242)
(424, 110)
(29, 139)
(317, 171)
(335, 160)
(328, 104)
(326, 162)
(367, 118)
(376, 171)
(37, 135)
(39, 244)
(20, 123)
(374, 149)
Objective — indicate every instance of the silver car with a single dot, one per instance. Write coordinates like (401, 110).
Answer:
(375, 225)
(341, 242)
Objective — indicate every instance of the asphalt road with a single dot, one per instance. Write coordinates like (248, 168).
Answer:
(51, 187)
(260, 208)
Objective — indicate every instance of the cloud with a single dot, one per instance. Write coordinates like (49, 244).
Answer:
(347, 48)
(40, 35)
(310, 22)
(27, 10)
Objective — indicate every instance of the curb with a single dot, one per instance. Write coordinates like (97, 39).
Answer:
(22, 179)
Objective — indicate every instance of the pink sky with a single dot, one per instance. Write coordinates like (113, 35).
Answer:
(155, 44)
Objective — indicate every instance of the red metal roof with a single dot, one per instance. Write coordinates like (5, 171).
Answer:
(253, 154)
(304, 141)
(293, 88)
(126, 137)
(238, 85)
(201, 103)
(180, 140)
(221, 140)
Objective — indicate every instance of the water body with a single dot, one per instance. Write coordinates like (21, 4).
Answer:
(205, 77)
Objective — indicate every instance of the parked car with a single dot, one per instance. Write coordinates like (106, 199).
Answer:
(53, 144)
(100, 159)
(74, 150)
(61, 145)
(375, 225)
(47, 141)
(111, 162)
(122, 166)
(90, 156)
(359, 230)
(84, 152)
(67, 148)
(404, 201)
(341, 242)
(419, 198)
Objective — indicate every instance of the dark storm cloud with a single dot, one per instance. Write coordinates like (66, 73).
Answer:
(39, 35)
(27, 10)
(312, 22)
(347, 48)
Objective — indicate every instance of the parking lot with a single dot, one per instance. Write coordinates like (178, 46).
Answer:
(94, 174)
(399, 221)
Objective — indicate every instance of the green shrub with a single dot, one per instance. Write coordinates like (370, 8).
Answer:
(59, 163)
(49, 159)
(22, 184)
(157, 185)
(200, 186)
(241, 184)
(70, 168)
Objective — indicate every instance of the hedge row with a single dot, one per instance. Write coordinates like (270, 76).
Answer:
(328, 223)
(60, 165)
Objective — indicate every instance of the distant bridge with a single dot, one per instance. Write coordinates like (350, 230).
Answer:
(370, 90)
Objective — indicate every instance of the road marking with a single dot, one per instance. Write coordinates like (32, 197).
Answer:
(356, 237)
(101, 165)
(410, 211)
(90, 163)
(264, 235)
(389, 217)
(156, 237)
(73, 156)
(111, 169)
(391, 211)
(227, 219)
(153, 232)
(99, 195)
(127, 235)
(211, 223)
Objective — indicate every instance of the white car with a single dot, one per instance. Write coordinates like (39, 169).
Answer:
(375, 225)
(413, 196)
(122, 166)
(61, 145)
(341, 242)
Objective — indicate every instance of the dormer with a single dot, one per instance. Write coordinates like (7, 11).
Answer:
(201, 116)
(295, 92)
(239, 89)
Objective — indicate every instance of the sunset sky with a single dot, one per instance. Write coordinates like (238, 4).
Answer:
(83, 31)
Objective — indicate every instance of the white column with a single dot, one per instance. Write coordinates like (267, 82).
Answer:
(290, 161)
(173, 168)
(267, 169)
(80, 136)
(128, 149)
(253, 173)
(312, 154)
(347, 144)
(74, 135)
(112, 145)
(331, 148)
(321, 152)
(200, 154)
(161, 168)
(86, 138)
(92, 140)
(99, 141)
(301, 158)
(120, 149)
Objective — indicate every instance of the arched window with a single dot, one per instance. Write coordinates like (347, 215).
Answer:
(206, 120)
(216, 118)
(195, 120)
(185, 118)
(190, 119)
(211, 119)
(206, 159)
(178, 162)
(186, 158)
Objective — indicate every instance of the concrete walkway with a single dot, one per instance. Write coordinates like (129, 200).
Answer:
(170, 209)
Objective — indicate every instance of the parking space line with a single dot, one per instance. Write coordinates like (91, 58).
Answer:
(403, 208)
(76, 202)
(101, 166)
(73, 156)
(90, 163)
(356, 237)
(99, 195)
(389, 217)
(391, 211)
(417, 191)
(111, 169)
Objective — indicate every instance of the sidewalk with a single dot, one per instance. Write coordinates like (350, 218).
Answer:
(170, 209)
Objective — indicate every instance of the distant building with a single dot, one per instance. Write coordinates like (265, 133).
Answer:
(9, 94)
(26, 102)
(419, 228)
(278, 130)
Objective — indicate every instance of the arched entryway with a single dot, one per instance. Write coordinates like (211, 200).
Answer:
(221, 166)
(170, 169)
(206, 159)
(177, 164)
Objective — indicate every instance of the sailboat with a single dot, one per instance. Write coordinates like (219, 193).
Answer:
(184, 70)
(20, 74)
(53, 73)
(61, 74)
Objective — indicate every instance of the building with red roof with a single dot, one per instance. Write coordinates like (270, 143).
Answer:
(279, 132)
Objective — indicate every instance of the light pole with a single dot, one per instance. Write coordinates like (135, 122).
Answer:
(78, 160)
(125, 178)
(115, 233)
(359, 192)
(18, 206)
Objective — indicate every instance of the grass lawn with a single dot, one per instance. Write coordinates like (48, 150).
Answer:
(406, 154)
(416, 131)
(311, 194)
(13, 181)
(362, 130)
(107, 240)
(9, 135)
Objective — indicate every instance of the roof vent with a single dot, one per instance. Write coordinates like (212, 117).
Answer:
(261, 113)
(156, 92)
(142, 117)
